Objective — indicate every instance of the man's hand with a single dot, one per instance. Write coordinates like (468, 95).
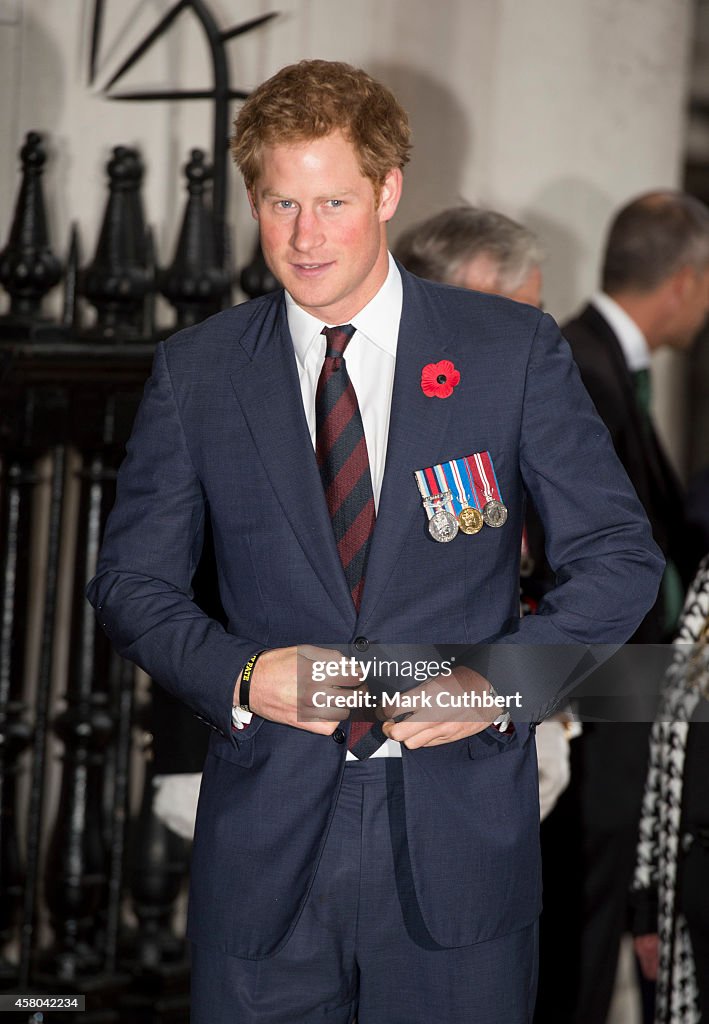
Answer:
(282, 689)
(420, 731)
(647, 950)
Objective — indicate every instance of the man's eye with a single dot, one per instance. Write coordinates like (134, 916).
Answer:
(285, 204)
(335, 203)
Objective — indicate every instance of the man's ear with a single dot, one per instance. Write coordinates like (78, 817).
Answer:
(676, 289)
(390, 194)
(683, 281)
(252, 204)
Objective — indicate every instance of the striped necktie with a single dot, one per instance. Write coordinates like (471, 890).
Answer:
(342, 456)
(341, 451)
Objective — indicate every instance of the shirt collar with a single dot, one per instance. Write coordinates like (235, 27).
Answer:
(630, 337)
(378, 320)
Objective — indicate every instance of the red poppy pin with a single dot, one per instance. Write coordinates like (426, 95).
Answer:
(439, 379)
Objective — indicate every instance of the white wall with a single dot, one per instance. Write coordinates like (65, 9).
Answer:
(555, 111)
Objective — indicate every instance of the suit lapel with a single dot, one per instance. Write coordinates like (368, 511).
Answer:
(656, 464)
(599, 327)
(268, 390)
(417, 427)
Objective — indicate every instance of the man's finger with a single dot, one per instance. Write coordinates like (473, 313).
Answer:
(421, 733)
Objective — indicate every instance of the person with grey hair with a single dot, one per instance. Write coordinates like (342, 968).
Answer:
(654, 294)
(475, 248)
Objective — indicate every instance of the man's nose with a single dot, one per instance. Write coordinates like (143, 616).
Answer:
(307, 232)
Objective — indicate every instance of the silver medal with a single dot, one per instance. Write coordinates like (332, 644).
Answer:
(443, 526)
(495, 513)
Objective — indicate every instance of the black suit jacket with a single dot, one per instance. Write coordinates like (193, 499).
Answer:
(604, 754)
(609, 382)
(589, 839)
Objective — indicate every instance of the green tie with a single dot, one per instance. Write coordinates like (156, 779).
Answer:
(643, 396)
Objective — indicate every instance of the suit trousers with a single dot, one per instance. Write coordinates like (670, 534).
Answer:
(360, 949)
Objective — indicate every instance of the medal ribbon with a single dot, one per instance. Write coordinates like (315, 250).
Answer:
(459, 470)
(449, 485)
(457, 484)
(444, 487)
(483, 477)
(453, 478)
(426, 483)
(431, 483)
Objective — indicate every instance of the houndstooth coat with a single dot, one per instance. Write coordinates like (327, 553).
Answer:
(659, 838)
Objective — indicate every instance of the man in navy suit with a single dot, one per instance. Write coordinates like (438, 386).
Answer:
(328, 884)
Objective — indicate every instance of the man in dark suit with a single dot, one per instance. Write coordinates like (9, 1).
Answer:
(655, 293)
(328, 884)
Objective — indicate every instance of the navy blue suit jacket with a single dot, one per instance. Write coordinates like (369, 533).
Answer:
(222, 427)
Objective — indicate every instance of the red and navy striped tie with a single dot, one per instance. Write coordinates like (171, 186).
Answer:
(343, 460)
(342, 456)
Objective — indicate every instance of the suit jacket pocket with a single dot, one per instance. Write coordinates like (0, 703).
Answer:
(241, 751)
(491, 741)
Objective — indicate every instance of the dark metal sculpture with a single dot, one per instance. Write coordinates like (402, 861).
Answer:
(54, 396)
(78, 859)
(29, 442)
(195, 282)
(152, 270)
(221, 93)
(119, 278)
(28, 268)
(70, 313)
(16, 490)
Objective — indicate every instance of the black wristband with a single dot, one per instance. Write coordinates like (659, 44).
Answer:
(245, 686)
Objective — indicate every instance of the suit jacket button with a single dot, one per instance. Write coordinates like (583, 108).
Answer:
(361, 644)
(338, 736)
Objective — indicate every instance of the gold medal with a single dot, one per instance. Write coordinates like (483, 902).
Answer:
(470, 520)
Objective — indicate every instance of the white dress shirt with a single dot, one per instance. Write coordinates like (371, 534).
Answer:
(370, 357)
(632, 340)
